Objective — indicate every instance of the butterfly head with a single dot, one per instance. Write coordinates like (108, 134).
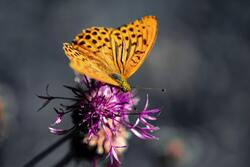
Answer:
(122, 82)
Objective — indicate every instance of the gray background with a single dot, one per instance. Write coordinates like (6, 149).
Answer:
(201, 57)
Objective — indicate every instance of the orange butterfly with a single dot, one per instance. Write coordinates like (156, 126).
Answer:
(112, 55)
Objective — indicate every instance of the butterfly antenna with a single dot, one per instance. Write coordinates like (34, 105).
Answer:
(163, 90)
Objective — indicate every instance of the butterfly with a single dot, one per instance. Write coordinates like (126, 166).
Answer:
(112, 55)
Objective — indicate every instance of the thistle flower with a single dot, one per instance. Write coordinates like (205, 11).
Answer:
(102, 112)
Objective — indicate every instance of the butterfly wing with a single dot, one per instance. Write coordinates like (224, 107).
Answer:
(132, 43)
(85, 62)
(100, 52)
(96, 41)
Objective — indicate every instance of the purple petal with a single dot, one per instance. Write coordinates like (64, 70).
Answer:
(152, 111)
(113, 152)
(57, 121)
(58, 131)
(146, 105)
(137, 133)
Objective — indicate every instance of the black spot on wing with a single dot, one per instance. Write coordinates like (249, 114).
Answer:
(87, 37)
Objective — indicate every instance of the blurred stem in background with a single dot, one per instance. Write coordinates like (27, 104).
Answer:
(47, 151)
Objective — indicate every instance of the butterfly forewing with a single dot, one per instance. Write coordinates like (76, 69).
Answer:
(96, 40)
(138, 38)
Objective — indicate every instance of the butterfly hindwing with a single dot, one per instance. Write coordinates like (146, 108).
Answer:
(117, 45)
(84, 63)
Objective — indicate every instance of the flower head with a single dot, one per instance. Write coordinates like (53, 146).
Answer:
(102, 112)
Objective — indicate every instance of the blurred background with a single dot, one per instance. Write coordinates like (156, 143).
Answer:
(201, 57)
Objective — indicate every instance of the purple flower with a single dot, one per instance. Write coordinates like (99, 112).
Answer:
(103, 113)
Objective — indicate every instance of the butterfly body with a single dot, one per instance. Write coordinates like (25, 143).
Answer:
(122, 82)
(112, 55)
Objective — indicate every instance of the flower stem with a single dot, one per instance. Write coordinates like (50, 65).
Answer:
(94, 162)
